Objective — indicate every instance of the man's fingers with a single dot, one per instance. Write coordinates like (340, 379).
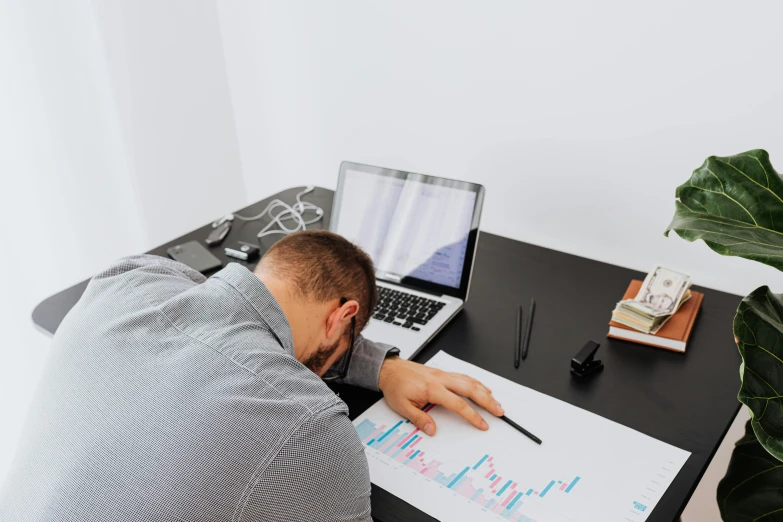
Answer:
(475, 391)
(420, 419)
(457, 404)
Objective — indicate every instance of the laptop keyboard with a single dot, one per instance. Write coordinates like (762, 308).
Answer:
(405, 310)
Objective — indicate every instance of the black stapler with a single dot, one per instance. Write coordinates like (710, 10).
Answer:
(583, 364)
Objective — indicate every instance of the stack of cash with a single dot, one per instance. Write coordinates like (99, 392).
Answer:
(663, 292)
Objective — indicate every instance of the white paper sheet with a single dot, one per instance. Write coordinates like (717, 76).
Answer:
(587, 469)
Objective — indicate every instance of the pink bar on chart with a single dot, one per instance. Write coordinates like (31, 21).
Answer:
(411, 434)
(410, 452)
(413, 444)
(535, 492)
(508, 498)
(431, 473)
(562, 488)
(489, 474)
(490, 459)
(416, 466)
(466, 490)
(514, 485)
(389, 445)
(497, 508)
(495, 482)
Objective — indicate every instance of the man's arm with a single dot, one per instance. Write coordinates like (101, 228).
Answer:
(407, 386)
(319, 474)
(366, 362)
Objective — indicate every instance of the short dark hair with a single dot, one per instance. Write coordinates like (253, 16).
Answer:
(323, 265)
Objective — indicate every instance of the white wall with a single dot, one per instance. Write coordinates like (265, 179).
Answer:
(168, 79)
(67, 204)
(580, 118)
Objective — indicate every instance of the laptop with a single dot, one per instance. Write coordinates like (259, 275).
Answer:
(421, 233)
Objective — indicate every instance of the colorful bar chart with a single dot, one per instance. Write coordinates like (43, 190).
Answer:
(477, 481)
(461, 474)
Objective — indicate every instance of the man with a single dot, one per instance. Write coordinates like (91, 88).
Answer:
(172, 397)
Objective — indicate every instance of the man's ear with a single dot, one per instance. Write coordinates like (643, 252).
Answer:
(339, 318)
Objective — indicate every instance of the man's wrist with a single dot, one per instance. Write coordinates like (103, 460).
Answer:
(388, 366)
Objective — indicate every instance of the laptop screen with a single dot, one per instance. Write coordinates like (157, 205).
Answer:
(412, 226)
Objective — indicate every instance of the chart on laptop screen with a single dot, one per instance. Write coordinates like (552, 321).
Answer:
(408, 228)
(587, 468)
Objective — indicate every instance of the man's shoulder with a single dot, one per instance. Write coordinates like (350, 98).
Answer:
(289, 378)
(153, 277)
(151, 264)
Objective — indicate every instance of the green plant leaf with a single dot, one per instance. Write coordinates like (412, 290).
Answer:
(758, 327)
(752, 489)
(734, 204)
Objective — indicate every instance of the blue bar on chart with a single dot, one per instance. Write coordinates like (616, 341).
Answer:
(458, 477)
(390, 430)
(511, 504)
(505, 486)
(549, 486)
(365, 429)
(476, 482)
(409, 441)
(480, 462)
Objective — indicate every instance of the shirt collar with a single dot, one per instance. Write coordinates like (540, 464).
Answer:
(262, 301)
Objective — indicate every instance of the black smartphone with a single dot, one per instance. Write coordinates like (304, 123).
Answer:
(195, 255)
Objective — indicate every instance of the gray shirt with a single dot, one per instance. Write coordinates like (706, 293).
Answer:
(170, 398)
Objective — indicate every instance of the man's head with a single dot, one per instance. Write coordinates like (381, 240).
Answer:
(321, 281)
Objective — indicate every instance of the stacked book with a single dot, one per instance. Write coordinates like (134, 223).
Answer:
(659, 311)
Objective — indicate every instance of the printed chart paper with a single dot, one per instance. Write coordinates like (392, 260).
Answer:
(462, 473)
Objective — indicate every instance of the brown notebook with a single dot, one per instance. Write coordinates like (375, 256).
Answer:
(673, 335)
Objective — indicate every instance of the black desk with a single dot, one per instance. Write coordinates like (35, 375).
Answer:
(688, 400)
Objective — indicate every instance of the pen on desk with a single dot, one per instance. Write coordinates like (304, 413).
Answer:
(520, 429)
(528, 327)
(518, 338)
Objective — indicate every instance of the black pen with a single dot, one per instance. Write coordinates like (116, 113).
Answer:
(528, 327)
(520, 429)
(518, 348)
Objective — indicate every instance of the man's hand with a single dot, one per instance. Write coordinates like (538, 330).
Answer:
(408, 386)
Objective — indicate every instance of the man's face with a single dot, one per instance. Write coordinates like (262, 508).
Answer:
(327, 354)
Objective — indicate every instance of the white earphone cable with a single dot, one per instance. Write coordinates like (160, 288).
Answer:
(289, 212)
